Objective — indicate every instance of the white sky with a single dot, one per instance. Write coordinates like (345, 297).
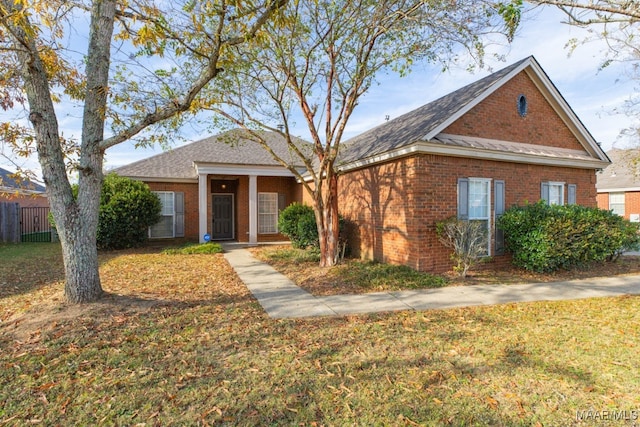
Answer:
(592, 94)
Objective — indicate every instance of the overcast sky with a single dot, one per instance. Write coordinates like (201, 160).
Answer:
(592, 93)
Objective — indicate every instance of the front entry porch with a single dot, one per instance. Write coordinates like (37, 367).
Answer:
(241, 203)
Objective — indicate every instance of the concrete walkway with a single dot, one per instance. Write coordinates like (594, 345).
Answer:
(281, 298)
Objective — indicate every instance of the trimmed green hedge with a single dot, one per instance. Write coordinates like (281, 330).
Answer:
(298, 223)
(127, 209)
(546, 238)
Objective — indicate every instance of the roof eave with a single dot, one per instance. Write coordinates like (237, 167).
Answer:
(170, 180)
(422, 147)
(617, 189)
(547, 88)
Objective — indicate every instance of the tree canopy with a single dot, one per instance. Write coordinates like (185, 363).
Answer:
(321, 57)
(128, 68)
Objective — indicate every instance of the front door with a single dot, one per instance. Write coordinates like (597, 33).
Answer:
(222, 216)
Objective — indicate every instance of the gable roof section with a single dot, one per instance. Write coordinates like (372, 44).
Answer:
(420, 130)
(232, 148)
(8, 183)
(623, 174)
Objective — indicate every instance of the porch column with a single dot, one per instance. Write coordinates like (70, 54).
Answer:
(253, 209)
(202, 205)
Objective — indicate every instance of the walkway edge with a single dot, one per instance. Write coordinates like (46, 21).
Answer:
(281, 298)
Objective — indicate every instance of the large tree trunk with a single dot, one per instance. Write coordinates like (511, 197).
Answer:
(80, 256)
(328, 224)
(76, 219)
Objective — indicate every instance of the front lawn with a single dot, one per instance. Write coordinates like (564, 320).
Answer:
(180, 341)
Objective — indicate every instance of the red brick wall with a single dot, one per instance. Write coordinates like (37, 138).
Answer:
(497, 118)
(631, 202)
(396, 205)
(603, 201)
(281, 185)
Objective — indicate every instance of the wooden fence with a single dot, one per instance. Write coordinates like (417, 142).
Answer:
(10, 218)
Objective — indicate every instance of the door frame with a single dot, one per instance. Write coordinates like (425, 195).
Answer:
(233, 215)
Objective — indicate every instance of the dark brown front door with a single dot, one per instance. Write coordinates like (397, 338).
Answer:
(222, 216)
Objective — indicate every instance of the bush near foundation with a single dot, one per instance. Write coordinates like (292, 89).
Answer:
(467, 239)
(127, 209)
(298, 223)
(546, 238)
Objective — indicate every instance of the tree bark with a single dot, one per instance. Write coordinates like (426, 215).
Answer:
(328, 223)
(77, 219)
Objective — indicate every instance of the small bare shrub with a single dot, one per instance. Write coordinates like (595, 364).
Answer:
(468, 239)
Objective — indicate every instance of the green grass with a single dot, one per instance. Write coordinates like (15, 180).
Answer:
(291, 255)
(191, 249)
(180, 341)
(375, 276)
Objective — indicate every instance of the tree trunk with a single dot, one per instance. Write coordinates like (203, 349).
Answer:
(76, 219)
(328, 224)
(80, 258)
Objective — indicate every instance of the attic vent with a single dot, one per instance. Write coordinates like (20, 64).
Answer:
(522, 105)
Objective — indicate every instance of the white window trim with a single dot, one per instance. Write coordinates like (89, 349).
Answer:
(487, 181)
(618, 193)
(556, 184)
(274, 194)
(173, 216)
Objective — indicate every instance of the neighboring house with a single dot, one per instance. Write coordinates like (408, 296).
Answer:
(27, 194)
(619, 184)
(509, 138)
(226, 186)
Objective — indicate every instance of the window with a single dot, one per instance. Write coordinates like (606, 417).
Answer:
(171, 222)
(522, 105)
(616, 203)
(553, 193)
(474, 202)
(267, 213)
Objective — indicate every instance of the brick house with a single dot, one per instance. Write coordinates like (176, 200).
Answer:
(27, 195)
(509, 138)
(618, 185)
(224, 186)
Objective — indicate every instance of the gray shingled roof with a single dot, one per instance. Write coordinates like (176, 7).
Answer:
(6, 181)
(623, 172)
(229, 148)
(414, 125)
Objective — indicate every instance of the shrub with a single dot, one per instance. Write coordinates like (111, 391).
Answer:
(127, 209)
(546, 238)
(468, 239)
(298, 223)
